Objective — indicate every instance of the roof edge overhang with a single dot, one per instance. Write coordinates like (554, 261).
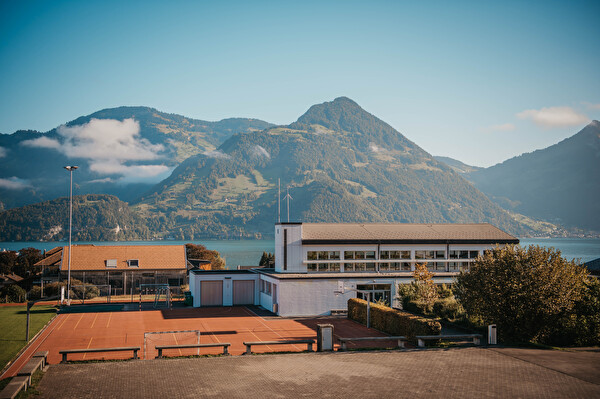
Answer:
(406, 241)
(131, 269)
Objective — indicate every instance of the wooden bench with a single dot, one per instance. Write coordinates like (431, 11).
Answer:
(335, 312)
(65, 352)
(401, 340)
(12, 389)
(31, 367)
(458, 337)
(43, 355)
(309, 342)
(160, 348)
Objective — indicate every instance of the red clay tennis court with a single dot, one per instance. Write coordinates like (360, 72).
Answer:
(215, 325)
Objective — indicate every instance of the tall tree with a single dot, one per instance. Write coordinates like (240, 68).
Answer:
(198, 251)
(526, 292)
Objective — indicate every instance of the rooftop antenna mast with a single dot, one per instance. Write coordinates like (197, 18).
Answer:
(288, 197)
(278, 200)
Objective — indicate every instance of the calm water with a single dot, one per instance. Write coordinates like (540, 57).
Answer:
(248, 252)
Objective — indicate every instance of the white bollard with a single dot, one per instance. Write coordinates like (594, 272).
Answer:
(492, 339)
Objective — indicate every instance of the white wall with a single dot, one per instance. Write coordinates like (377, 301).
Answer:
(317, 297)
(266, 301)
(294, 248)
(196, 278)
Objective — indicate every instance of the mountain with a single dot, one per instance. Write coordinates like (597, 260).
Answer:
(340, 163)
(122, 151)
(95, 218)
(457, 165)
(560, 184)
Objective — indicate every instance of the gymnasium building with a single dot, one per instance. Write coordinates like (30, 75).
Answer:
(319, 266)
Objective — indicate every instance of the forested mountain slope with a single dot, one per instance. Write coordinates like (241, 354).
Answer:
(95, 217)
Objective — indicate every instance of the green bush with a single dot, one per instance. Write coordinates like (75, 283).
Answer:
(444, 291)
(13, 293)
(91, 291)
(447, 308)
(35, 293)
(53, 289)
(392, 321)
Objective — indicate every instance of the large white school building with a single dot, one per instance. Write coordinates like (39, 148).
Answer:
(314, 261)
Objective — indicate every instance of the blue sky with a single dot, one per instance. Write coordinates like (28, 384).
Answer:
(477, 81)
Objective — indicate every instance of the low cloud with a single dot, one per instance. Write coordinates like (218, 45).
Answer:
(112, 167)
(505, 127)
(375, 148)
(552, 117)
(260, 152)
(216, 154)
(2, 152)
(108, 139)
(14, 183)
(42, 142)
(105, 180)
(108, 145)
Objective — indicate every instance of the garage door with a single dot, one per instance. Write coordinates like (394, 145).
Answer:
(211, 293)
(243, 292)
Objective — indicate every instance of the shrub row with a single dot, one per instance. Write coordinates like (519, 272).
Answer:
(392, 321)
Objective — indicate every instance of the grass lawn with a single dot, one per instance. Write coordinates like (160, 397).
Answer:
(12, 328)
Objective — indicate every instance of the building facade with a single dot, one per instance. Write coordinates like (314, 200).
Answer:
(319, 266)
(125, 268)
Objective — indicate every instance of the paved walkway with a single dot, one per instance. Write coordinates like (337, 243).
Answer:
(442, 373)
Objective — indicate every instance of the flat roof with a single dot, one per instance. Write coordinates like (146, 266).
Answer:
(226, 271)
(403, 233)
(341, 276)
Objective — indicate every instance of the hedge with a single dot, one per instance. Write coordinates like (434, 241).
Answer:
(392, 321)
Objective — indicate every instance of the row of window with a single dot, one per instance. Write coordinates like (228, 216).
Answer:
(392, 266)
(335, 255)
(112, 263)
(266, 287)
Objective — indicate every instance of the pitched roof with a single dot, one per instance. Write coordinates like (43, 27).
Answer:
(153, 257)
(11, 278)
(52, 258)
(403, 232)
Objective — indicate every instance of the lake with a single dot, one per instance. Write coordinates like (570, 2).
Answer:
(248, 252)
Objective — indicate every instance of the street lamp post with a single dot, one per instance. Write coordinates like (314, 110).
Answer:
(70, 169)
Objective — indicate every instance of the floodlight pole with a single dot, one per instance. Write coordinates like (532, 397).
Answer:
(70, 169)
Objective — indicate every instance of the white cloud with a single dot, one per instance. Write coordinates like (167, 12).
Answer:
(14, 183)
(114, 167)
(108, 145)
(505, 127)
(105, 180)
(260, 151)
(216, 154)
(375, 148)
(554, 117)
(42, 142)
(108, 139)
(2, 152)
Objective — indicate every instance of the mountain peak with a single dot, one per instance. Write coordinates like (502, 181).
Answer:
(341, 114)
